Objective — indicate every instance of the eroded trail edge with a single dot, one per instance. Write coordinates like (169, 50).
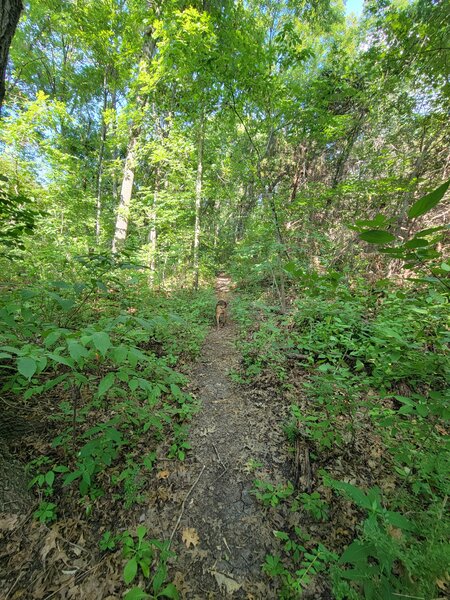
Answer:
(231, 432)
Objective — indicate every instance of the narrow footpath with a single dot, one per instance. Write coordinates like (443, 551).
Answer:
(224, 533)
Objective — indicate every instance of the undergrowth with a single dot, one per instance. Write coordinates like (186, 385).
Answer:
(365, 372)
(96, 366)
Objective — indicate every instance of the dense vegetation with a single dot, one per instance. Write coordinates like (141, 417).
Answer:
(147, 146)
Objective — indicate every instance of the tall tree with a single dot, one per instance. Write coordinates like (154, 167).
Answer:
(198, 198)
(9, 17)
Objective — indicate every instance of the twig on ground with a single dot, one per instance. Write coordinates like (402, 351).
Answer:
(222, 474)
(219, 459)
(14, 584)
(71, 578)
(226, 544)
(183, 504)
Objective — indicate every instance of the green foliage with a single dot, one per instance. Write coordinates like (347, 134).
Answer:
(121, 363)
(357, 349)
(108, 541)
(270, 494)
(388, 539)
(268, 128)
(422, 253)
(18, 216)
(426, 203)
(303, 563)
(141, 554)
(313, 504)
(46, 512)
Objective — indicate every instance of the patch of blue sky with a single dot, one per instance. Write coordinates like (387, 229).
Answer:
(354, 7)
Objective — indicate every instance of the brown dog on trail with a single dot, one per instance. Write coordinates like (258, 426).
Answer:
(221, 312)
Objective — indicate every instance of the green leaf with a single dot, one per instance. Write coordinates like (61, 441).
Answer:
(176, 392)
(71, 477)
(398, 520)
(26, 366)
(425, 232)
(353, 492)
(76, 350)
(120, 354)
(355, 554)
(134, 356)
(53, 337)
(159, 578)
(65, 303)
(105, 384)
(379, 221)
(61, 469)
(130, 570)
(377, 236)
(101, 341)
(416, 243)
(135, 594)
(170, 591)
(428, 202)
(62, 360)
(49, 478)
(281, 535)
(133, 384)
(422, 410)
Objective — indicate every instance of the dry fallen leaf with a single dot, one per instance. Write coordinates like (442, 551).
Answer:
(162, 475)
(190, 537)
(441, 584)
(395, 533)
(8, 522)
(182, 586)
(49, 543)
(226, 583)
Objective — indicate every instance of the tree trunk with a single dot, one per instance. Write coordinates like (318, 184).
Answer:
(152, 232)
(217, 223)
(123, 211)
(115, 153)
(282, 250)
(198, 200)
(9, 17)
(345, 155)
(300, 171)
(100, 163)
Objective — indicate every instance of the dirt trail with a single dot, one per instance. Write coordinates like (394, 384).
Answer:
(231, 430)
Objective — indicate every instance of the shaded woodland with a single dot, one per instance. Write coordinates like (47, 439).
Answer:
(284, 156)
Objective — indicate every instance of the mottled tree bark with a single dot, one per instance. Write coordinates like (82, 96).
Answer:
(198, 201)
(100, 162)
(9, 17)
(152, 236)
(123, 210)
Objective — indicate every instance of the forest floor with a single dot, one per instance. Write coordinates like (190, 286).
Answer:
(248, 468)
(218, 530)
